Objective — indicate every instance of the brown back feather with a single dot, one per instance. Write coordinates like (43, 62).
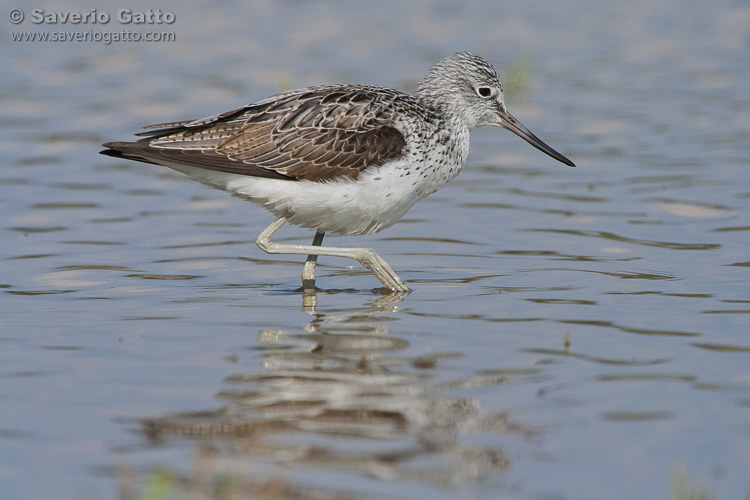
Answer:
(318, 134)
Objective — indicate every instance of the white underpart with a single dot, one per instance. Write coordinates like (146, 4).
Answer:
(376, 200)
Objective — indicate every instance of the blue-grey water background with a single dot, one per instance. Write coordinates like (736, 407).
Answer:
(572, 333)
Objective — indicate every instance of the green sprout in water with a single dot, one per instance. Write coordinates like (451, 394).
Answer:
(683, 489)
(516, 80)
(161, 485)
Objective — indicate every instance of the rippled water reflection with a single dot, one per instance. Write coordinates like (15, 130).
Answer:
(573, 333)
(384, 415)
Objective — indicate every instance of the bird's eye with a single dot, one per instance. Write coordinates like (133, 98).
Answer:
(484, 91)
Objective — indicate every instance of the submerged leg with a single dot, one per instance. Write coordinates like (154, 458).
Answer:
(308, 271)
(366, 256)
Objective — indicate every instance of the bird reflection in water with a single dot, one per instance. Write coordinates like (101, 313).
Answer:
(337, 396)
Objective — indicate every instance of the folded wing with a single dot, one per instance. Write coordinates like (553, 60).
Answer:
(316, 134)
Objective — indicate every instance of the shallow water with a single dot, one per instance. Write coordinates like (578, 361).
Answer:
(572, 333)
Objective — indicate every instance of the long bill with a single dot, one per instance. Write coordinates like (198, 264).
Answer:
(509, 122)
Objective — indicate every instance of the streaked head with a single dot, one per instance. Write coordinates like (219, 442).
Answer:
(467, 87)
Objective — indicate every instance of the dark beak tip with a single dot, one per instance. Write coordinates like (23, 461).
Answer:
(508, 122)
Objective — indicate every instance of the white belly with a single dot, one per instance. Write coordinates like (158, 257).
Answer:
(377, 199)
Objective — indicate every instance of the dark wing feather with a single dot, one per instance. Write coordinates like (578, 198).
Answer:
(316, 134)
(207, 158)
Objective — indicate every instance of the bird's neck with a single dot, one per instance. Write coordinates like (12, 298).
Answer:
(444, 106)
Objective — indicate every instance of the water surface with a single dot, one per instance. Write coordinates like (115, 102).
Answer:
(572, 333)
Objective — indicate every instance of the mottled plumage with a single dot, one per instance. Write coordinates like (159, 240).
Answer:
(317, 134)
(349, 159)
